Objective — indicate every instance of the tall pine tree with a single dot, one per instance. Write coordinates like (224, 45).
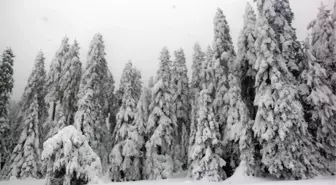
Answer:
(180, 85)
(246, 58)
(68, 87)
(279, 126)
(93, 101)
(161, 124)
(224, 58)
(53, 81)
(198, 61)
(125, 156)
(320, 109)
(69, 82)
(6, 86)
(25, 158)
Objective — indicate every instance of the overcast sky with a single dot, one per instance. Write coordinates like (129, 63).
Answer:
(132, 30)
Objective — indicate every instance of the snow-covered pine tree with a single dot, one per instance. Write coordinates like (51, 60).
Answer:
(246, 58)
(206, 161)
(13, 112)
(70, 160)
(25, 159)
(125, 157)
(68, 86)
(224, 62)
(206, 74)
(279, 125)
(237, 119)
(198, 60)
(6, 86)
(161, 124)
(90, 117)
(53, 81)
(320, 108)
(34, 91)
(69, 82)
(322, 42)
(140, 123)
(245, 64)
(281, 21)
(180, 85)
(224, 55)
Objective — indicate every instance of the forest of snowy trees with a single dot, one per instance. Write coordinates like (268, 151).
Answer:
(270, 104)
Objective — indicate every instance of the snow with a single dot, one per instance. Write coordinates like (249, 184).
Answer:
(179, 179)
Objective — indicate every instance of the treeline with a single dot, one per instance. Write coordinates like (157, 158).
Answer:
(270, 106)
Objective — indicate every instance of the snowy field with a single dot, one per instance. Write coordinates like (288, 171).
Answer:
(237, 179)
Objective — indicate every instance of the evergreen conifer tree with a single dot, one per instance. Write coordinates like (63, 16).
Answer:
(53, 81)
(206, 161)
(246, 58)
(93, 100)
(126, 156)
(31, 116)
(320, 109)
(161, 124)
(279, 126)
(206, 74)
(6, 86)
(223, 64)
(180, 85)
(323, 44)
(25, 159)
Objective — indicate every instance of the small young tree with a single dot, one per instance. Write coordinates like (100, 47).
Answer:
(161, 124)
(6, 86)
(25, 158)
(206, 161)
(70, 160)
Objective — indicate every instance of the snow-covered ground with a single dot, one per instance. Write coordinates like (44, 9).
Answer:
(182, 181)
(237, 179)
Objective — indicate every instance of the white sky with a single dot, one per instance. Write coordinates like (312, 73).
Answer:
(132, 29)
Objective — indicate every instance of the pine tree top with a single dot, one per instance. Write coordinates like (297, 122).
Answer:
(163, 72)
(64, 48)
(249, 15)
